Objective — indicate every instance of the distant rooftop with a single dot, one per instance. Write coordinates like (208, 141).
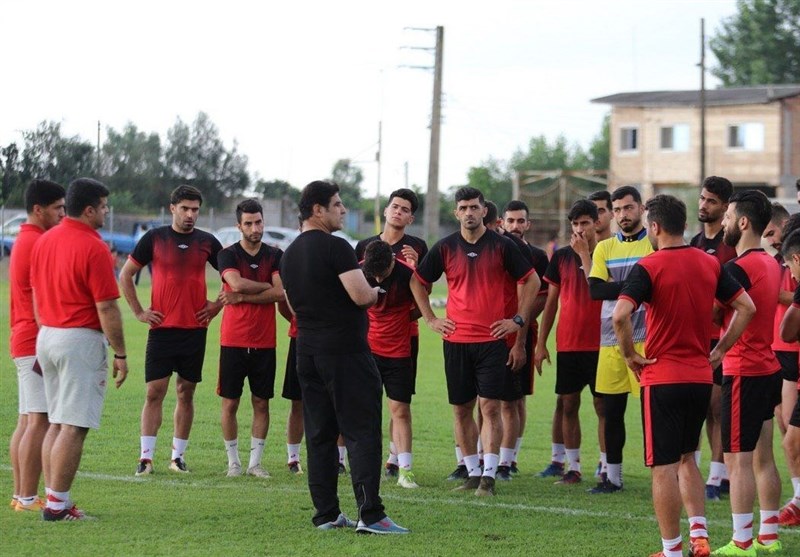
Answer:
(762, 94)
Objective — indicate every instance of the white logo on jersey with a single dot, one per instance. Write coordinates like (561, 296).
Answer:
(253, 265)
(472, 254)
(183, 246)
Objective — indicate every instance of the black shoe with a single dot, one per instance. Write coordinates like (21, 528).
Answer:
(471, 483)
(342, 470)
(485, 487)
(503, 474)
(460, 473)
(606, 486)
(391, 470)
(178, 465)
(514, 469)
(725, 487)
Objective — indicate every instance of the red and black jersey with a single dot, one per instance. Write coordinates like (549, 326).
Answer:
(714, 246)
(578, 328)
(179, 273)
(678, 327)
(475, 274)
(538, 260)
(248, 325)
(760, 275)
(788, 284)
(390, 318)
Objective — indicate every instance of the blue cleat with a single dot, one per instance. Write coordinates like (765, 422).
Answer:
(341, 522)
(712, 492)
(385, 526)
(554, 469)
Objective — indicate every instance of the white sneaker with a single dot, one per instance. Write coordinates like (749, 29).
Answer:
(234, 470)
(257, 471)
(405, 478)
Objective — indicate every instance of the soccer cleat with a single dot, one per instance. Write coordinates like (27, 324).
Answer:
(469, 484)
(178, 465)
(733, 550)
(554, 469)
(390, 470)
(295, 468)
(13, 503)
(571, 477)
(606, 486)
(234, 470)
(503, 474)
(385, 526)
(699, 547)
(38, 505)
(725, 486)
(712, 492)
(406, 479)
(71, 513)
(460, 473)
(514, 469)
(145, 467)
(772, 549)
(341, 522)
(257, 471)
(486, 487)
(790, 515)
(599, 470)
(342, 470)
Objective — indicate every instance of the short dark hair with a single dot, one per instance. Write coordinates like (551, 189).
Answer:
(408, 195)
(754, 205)
(248, 206)
(719, 186)
(318, 192)
(792, 224)
(582, 207)
(601, 195)
(42, 193)
(185, 192)
(82, 193)
(779, 213)
(378, 258)
(669, 212)
(624, 191)
(466, 192)
(516, 205)
(491, 213)
(791, 245)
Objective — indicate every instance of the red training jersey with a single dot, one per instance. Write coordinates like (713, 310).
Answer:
(23, 321)
(389, 333)
(788, 284)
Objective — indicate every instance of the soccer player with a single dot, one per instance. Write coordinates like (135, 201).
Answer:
(577, 334)
(251, 286)
(75, 294)
(389, 339)
(178, 316)
(341, 387)
(612, 260)
(675, 375)
(399, 214)
(476, 261)
(44, 203)
(751, 382)
(605, 213)
(714, 196)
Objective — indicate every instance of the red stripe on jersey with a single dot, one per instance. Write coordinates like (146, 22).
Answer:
(649, 456)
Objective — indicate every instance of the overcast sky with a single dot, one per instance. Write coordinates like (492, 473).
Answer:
(301, 84)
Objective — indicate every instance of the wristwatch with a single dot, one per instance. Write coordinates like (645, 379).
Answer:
(518, 320)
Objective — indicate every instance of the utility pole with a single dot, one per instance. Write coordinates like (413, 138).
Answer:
(432, 194)
(702, 100)
(98, 149)
(378, 188)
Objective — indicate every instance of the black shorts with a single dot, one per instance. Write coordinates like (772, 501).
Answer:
(795, 419)
(255, 364)
(475, 369)
(789, 367)
(575, 370)
(747, 402)
(414, 357)
(717, 371)
(179, 350)
(291, 386)
(397, 376)
(672, 419)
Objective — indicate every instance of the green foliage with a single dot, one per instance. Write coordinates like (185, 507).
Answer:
(760, 44)
(349, 178)
(492, 179)
(132, 168)
(277, 189)
(599, 155)
(10, 189)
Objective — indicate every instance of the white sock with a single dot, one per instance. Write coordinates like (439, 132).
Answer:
(559, 453)
(57, 500)
(506, 456)
(473, 464)
(27, 501)
(715, 471)
(672, 548)
(459, 456)
(232, 448)
(342, 454)
(615, 474)
(480, 448)
(768, 530)
(603, 463)
(517, 445)
(256, 451)
(490, 461)
(148, 447)
(404, 461)
(697, 455)
(178, 447)
(292, 452)
(393, 459)
(392, 448)
(574, 458)
(743, 528)
(698, 527)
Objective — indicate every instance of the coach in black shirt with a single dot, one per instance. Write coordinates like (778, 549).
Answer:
(341, 387)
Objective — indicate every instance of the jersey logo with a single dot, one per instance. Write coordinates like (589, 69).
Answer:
(183, 246)
(711, 250)
(472, 254)
(254, 265)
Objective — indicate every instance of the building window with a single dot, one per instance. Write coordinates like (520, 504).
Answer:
(675, 138)
(747, 137)
(629, 139)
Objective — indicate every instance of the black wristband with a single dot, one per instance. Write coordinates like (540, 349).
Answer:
(118, 357)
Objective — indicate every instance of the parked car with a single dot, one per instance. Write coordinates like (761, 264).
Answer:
(343, 234)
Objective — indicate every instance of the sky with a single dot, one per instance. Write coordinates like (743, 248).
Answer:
(299, 85)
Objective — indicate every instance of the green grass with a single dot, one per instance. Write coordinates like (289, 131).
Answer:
(206, 513)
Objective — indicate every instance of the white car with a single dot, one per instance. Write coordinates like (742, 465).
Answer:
(275, 236)
(344, 235)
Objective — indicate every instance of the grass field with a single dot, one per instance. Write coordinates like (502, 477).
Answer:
(206, 513)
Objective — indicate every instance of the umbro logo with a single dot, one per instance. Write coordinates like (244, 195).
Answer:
(183, 246)
(472, 254)
(253, 265)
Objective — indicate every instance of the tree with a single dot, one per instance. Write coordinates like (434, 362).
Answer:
(277, 189)
(49, 155)
(132, 168)
(760, 44)
(349, 178)
(9, 175)
(492, 179)
(600, 148)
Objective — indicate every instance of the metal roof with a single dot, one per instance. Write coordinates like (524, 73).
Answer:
(762, 94)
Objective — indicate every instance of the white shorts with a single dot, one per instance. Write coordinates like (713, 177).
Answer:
(75, 368)
(31, 387)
